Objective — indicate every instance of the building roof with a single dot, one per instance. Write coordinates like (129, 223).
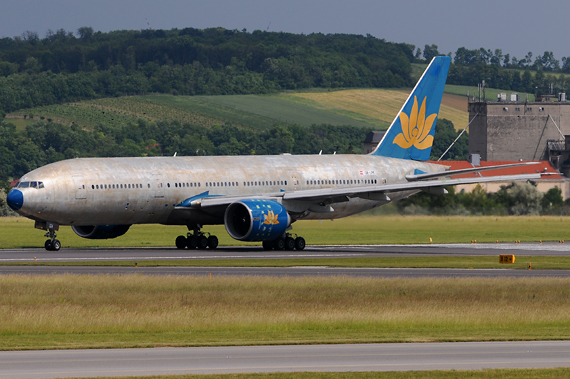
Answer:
(543, 166)
(374, 137)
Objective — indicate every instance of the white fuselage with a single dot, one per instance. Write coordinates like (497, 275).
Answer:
(104, 191)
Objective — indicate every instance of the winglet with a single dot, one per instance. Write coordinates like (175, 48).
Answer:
(411, 134)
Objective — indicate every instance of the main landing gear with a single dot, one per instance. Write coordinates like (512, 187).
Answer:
(285, 243)
(197, 239)
(52, 244)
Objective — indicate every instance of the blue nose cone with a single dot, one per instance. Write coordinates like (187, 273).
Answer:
(15, 199)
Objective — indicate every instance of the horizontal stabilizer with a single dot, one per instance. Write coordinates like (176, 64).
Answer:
(442, 174)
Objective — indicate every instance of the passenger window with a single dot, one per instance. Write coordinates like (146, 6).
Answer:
(285, 182)
(92, 186)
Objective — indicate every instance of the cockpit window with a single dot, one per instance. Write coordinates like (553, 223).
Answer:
(30, 185)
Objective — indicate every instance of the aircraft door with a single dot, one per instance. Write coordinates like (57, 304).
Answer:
(295, 181)
(79, 183)
(157, 185)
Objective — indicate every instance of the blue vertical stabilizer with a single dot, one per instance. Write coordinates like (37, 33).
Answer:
(411, 134)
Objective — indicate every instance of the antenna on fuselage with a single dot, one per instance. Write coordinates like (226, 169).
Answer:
(175, 153)
(320, 152)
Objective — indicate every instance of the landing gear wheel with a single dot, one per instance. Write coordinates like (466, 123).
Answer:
(299, 243)
(212, 242)
(56, 245)
(181, 242)
(267, 245)
(289, 243)
(202, 242)
(47, 245)
(279, 244)
(192, 242)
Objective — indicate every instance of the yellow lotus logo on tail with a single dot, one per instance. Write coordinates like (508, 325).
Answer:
(270, 218)
(416, 128)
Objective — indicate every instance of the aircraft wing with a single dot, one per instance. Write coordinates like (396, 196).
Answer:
(318, 200)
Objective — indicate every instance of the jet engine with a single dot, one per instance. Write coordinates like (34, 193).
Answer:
(99, 232)
(256, 220)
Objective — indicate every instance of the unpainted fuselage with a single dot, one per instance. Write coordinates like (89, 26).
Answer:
(103, 191)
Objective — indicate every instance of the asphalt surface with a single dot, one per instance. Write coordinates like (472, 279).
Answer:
(364, 357)
(256, 252)
(313, 252)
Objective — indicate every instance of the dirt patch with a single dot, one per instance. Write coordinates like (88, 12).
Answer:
(455, 101)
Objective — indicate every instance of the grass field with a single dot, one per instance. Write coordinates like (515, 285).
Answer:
(479, 374)
(370, 108)
(105, 311)
(16, 232)
(380, 104)
(463, 262)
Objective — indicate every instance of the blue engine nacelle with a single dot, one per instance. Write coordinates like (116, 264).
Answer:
(99, 232)
(256, 220)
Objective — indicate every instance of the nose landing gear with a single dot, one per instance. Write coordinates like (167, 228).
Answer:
(197, 239)
(52, 244)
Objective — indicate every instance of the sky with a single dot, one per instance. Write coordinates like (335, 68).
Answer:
(515, 26)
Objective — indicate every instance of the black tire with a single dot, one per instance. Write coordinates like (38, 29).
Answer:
(279, 244)
(212, 242)
(181, 242)
(299, 243)
(267, 245)
(47, 245)
(192, 242)
(56, 245)
(289, 243)
(202, 242)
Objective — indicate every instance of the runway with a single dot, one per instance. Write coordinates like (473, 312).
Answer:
(209, 360)
(256, 252)
(311, 252)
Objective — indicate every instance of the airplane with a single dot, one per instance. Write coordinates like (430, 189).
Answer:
(257, 198)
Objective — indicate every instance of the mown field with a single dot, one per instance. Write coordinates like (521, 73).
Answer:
(369, 108)
(110, 311)
(16, 232)
(479, 374)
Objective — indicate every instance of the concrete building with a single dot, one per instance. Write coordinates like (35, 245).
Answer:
(519, 130)
(372, 140)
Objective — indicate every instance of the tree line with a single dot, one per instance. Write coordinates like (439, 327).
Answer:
(22, 150)
(498, 70)
(517, 198)
(63, 67)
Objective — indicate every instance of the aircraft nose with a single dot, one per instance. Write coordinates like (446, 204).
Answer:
(15, 199)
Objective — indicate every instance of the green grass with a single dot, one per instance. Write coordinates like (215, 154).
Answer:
(462, 262)
(252, 111)
(17, 232)
(110, 311)
(259, 111)
(550, 373)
